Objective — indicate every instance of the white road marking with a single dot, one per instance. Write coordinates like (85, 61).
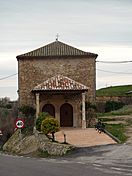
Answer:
(97, 165)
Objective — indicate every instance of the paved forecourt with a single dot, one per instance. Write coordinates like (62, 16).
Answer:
(83, 137)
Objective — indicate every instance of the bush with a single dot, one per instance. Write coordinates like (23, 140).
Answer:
(113, 105)
(50, 126)
(42, 116)
(89, 105)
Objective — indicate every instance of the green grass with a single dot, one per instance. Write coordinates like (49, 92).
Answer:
(114, 91)
(117, 130)
(126, 110)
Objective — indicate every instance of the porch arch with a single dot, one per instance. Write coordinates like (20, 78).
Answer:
(49, 108)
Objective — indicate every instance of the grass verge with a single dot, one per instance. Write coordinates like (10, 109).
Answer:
(117, 130)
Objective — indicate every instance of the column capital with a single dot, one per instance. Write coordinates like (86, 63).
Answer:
(37, 94)
(83, 93)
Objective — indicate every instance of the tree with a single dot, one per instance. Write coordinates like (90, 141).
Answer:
(27, 110)
(50, 126)
(27, 113)
(4, 101)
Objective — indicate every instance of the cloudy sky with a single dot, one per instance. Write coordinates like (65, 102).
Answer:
(100, 26)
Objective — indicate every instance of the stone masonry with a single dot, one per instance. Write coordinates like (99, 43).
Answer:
(35, 71)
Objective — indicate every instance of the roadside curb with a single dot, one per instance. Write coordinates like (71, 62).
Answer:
(113, 137)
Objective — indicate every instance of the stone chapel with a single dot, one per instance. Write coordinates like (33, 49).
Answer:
(58, 78)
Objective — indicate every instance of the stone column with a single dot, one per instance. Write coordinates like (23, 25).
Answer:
(83, 112)
(37, 105)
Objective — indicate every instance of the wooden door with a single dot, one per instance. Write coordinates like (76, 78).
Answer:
(66, 115)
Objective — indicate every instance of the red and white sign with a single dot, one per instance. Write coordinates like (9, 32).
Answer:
(19, 123)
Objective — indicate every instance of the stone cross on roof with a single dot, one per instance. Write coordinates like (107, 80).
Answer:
(57, 37)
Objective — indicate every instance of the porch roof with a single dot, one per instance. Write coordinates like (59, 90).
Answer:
(60, 83)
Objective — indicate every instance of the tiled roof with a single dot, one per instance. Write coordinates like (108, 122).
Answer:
(60, 83)
(57, 48)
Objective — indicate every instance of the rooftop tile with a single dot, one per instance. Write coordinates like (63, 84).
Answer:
(57, 48)
(60, 83)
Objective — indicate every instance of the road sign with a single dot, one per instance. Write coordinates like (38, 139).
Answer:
(19, 123)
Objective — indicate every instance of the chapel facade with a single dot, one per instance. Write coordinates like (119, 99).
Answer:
(58, 78)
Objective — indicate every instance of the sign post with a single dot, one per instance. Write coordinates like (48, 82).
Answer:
(19, 125)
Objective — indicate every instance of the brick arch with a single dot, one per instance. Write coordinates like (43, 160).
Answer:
(66, 115)
(49, 108)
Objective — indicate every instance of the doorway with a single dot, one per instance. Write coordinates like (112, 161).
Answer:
(66, 115)
(49, 108)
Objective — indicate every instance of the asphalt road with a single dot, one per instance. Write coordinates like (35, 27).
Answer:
(96, 161)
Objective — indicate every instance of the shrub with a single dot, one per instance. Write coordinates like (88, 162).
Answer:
(89, 105)
(50, 126)
(113, 105)
(42, 116)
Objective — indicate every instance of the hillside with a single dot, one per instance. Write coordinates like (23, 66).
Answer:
(115, 91)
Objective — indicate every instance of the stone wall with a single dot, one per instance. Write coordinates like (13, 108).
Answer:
(101, 100)
(35, 71)
(125, 99)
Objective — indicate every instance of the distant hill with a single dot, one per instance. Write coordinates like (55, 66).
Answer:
(115, 91)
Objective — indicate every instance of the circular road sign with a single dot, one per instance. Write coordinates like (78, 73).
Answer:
(19, 123)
